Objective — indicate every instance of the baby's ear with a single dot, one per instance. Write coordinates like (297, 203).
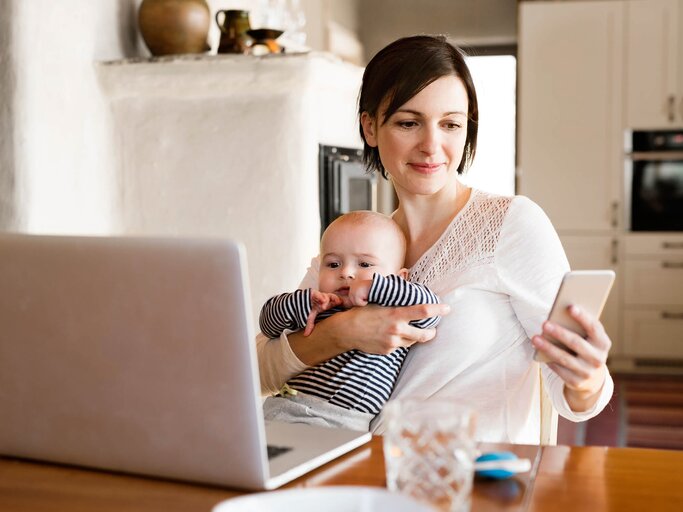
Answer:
(403, 273)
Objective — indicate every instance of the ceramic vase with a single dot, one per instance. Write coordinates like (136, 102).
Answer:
(171, 27)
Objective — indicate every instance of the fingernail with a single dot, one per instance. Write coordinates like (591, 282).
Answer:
(447, 309)
(574, 309)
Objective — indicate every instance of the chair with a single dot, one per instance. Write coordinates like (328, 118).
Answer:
(548, 417)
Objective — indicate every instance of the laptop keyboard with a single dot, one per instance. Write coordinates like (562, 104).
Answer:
(274, 451)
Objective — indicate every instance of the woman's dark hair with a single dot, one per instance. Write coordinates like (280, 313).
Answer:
(399, 72)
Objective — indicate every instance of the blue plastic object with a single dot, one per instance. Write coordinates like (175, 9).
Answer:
(495, 474)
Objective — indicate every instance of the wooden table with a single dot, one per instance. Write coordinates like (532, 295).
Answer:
(562, 478)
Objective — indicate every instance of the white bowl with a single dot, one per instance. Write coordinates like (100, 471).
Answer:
(329, 499)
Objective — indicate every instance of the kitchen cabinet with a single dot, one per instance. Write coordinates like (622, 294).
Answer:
(591, 252)
(570, 142)
(587, 72)
(653, 296)
(654, 63)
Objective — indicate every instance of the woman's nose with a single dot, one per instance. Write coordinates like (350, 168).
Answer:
(429, 140)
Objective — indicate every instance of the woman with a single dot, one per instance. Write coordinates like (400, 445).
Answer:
(496, 261)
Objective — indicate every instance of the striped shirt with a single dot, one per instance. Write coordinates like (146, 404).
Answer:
(353, 380)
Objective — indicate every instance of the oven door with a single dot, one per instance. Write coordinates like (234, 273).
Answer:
(354, 188)
(345, 184)
(656, 195)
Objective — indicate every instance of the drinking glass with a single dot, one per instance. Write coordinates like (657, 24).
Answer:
(429, 451)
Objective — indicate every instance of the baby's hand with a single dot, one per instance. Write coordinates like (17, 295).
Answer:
(358, 293)
(320, 301)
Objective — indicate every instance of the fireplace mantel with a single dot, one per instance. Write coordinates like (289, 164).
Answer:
(216, 75)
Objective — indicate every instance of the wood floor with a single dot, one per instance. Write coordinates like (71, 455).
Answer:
(646, 411)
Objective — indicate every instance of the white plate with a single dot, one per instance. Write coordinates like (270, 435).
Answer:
(329, 499)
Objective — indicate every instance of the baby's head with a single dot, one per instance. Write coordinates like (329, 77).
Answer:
(356, 246)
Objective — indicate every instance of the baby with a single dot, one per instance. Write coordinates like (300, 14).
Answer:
(362, 256)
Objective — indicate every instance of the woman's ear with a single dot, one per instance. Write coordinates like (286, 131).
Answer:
(369, 129)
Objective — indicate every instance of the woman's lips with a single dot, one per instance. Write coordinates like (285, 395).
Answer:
(425, 168)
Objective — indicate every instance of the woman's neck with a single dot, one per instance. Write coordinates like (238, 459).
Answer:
(423, 219)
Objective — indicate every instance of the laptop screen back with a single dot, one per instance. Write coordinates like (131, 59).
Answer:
(130, 354)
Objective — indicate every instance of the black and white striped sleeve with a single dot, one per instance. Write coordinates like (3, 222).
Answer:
(285, 311)
(393, 290)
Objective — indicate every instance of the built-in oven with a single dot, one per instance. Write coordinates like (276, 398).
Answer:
(345, 185)
(654, 180)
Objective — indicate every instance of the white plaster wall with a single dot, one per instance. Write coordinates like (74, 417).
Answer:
(62, 168)
(185, 149)
(228, 146)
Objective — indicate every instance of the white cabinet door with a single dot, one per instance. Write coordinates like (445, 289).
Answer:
(653, 282)
(654, 72)
(591, 252)
(652, 315)
(653, 333)
(658, 245)
(570, 111)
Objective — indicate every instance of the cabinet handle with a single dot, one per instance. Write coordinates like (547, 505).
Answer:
(672, 264)
(666, 315)
(615, 214)
(615, 251)
(672, 245)
(672, 108)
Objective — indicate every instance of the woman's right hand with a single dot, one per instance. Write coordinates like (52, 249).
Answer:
(372, 329)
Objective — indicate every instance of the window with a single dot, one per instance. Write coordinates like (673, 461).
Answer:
(495, 78)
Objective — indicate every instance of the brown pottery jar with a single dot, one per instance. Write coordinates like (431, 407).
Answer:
(174, 26)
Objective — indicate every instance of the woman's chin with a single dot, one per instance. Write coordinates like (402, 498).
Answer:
(423, 187)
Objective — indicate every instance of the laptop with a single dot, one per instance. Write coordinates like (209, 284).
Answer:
(138, 355)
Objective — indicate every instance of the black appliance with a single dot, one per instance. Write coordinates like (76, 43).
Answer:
(655, 180)
(344, 183)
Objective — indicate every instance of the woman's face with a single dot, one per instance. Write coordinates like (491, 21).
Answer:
(421, 145)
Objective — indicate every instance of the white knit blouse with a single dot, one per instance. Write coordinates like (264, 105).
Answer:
(498, 264)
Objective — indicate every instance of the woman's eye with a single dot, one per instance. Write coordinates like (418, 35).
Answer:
(452, 126)
(407, 124)
(365, 264)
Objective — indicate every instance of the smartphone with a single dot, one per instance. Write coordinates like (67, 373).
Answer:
(587, 289)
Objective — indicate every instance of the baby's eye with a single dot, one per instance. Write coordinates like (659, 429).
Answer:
(365, 264)
(333, 264)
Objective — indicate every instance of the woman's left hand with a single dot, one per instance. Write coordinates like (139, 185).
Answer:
(583, 373)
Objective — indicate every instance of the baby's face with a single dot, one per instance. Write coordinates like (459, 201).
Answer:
(352, 252)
